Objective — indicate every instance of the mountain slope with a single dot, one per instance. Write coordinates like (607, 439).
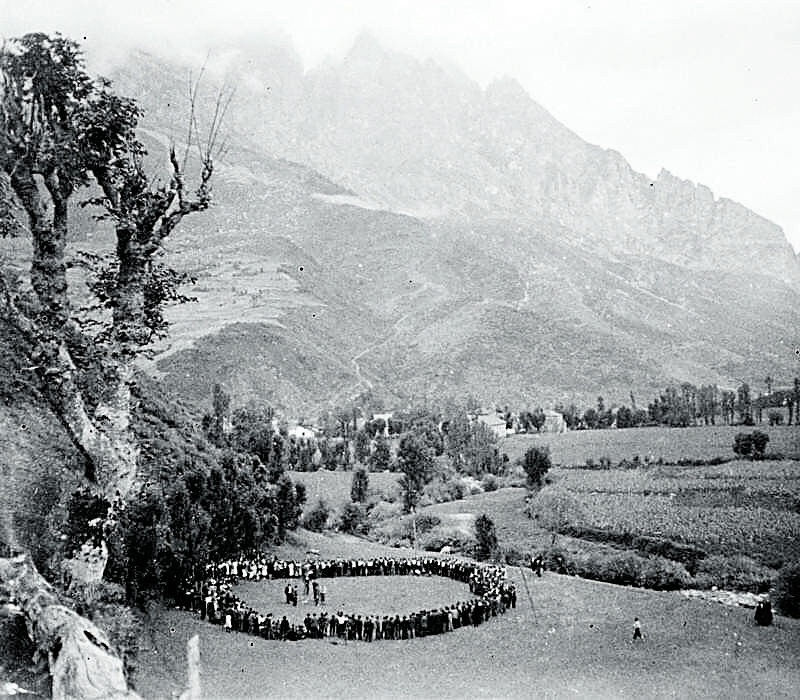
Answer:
(383, 223)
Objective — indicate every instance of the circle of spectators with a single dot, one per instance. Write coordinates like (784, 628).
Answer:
(213, 598)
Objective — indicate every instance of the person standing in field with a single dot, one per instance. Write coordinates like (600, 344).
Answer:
(637, 629)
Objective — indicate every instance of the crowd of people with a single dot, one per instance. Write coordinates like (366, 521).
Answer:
(213, 598)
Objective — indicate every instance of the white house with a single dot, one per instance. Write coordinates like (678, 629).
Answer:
(554, 422)
(494, 422)
(300, 432)
(385, 417)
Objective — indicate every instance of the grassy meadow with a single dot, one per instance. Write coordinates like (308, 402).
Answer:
(570, 638)
(334, 487)
(574, 448)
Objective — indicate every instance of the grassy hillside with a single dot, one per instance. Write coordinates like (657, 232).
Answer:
(334, 487)
(570, 638)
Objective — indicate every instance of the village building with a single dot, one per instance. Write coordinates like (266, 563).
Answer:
(494, 422)
(301, 432)
(385, 417)
(554, 422)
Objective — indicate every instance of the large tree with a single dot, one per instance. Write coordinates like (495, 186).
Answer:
(62, 131)
(415, 460)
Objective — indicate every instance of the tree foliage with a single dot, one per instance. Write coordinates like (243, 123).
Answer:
(787, 590)
(60, 131)
(536, 463)
(554, 509)
(415, 460)
(486, 537)
(381, 457)
(359, 486)
(472, 446)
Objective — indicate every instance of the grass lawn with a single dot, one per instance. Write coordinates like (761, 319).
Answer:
(670, 444)
(571, 639)
(334, 487)
(373, 595)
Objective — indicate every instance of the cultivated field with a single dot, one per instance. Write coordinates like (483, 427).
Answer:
(668, 444)
(742, 507)
(571, 638)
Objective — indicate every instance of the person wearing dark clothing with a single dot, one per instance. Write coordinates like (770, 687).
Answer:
(763, 615)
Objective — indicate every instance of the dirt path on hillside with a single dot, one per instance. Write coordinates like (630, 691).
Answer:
(362, 382)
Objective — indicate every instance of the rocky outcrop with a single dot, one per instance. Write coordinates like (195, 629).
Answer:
(82, 661)
(413, 137)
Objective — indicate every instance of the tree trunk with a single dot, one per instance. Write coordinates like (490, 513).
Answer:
(83, 663)
(102, 437)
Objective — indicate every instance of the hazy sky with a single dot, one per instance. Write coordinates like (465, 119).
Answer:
(707, 89)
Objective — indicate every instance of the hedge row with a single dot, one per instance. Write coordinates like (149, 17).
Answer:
(688, 555)
(620, 567)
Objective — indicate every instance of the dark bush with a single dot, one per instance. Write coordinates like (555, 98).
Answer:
(359, 486)
(759, 440)
(630, 569)
(486, 538)
(688, 555)
(425, 522)
(490, 483)
(536, 463)
(743, 444)
(353, 519)
(787, 590)
(317, 518)
(738, 573)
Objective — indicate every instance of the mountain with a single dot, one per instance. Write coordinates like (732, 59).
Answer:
(386, 224)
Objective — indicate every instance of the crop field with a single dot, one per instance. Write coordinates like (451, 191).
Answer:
(668, 444)
(567, 638)
(740, 507)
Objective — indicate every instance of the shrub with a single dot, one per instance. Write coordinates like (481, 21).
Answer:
(743, 444)
(444, 488)
(621, 567)
(425, 522)
(555, 509)
(486, 545)
(490, 483)
(536, 463)
(738, 573)
(787, 590)
(688, 555)
(359, 486)
(353, 519)
(317, 518)
(747, 444)
(759, 440)
(384, 510)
